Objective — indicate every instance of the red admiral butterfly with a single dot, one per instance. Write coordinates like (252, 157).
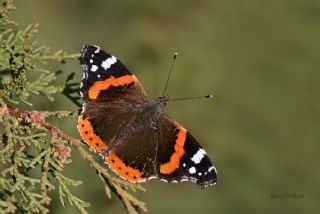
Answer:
(131, 131)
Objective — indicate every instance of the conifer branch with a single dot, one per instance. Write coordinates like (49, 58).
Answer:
(28, 143)
(37, 118)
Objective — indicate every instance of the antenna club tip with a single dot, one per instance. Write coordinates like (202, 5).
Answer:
(209, 96)
(175, 55)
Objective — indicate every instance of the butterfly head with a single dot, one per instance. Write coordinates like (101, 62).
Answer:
(163, 100)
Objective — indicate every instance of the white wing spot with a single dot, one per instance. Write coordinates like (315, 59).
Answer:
(192, 170)
(97, 51)
(98, 76)
(184, 164)
(203, 152)
(94, 68)
(164, 180)
(199, 173)
(81, 84)
(198, 156)
(108, 62)
(210, 169)
(81, 95)
(85, 67)
(91, 60)
(152, 177)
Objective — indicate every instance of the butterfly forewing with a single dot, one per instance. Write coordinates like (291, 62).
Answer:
(180, 157)
(108, 90)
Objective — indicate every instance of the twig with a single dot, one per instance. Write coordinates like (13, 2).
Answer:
(37, 118)
(58, 57)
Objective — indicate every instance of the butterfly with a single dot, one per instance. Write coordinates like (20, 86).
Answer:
(131, 131)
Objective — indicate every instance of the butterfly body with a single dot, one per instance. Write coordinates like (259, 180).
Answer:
(131, 131)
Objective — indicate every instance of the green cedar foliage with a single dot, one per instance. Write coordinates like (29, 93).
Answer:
(33, 152)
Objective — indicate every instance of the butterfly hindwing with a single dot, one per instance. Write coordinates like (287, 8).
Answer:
(138, 153)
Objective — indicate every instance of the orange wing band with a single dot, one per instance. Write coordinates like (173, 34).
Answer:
(120, 168)
(115, 163)
(111, 81)
(174, 162)
(88, 135)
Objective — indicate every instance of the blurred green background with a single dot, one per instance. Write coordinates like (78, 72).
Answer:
(260, 59)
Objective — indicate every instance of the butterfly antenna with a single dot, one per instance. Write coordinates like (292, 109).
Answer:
(171, 68)
(192, 98)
